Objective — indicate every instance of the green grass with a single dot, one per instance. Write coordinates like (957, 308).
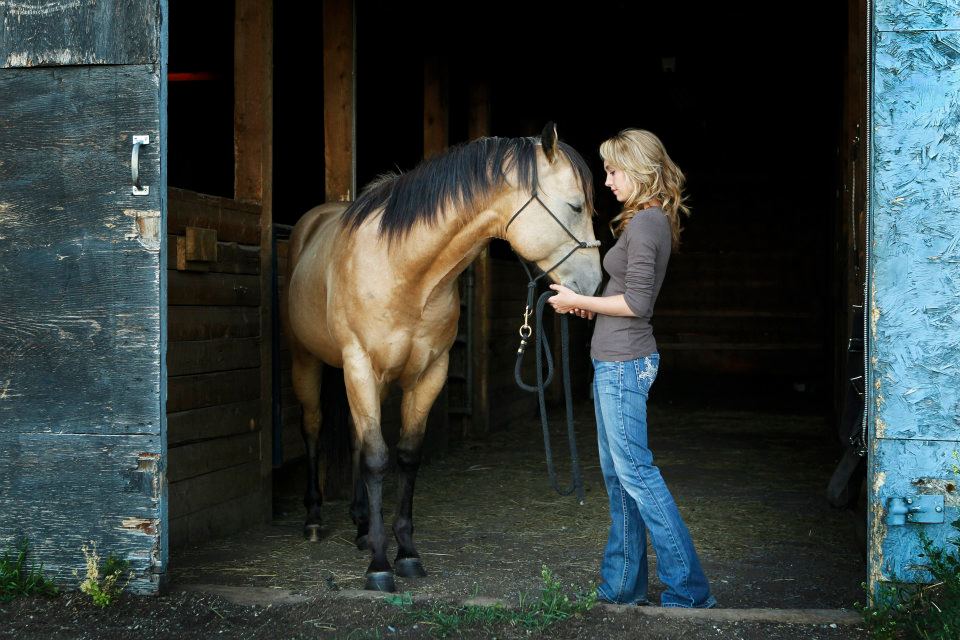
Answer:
(104, 584)
(20, 578)
(533, 613)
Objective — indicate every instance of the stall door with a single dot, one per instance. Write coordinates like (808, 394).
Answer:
(82, 216)
(914, 304)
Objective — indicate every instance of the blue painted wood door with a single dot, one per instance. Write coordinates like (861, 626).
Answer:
(914, 286)
(82, 311)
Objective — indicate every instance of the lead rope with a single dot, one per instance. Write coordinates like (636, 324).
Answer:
(541, 348)
(540, 388)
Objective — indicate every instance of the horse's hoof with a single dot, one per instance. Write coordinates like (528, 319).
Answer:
(380, 581)
(409, 568)
(362, 543)
(311, 532)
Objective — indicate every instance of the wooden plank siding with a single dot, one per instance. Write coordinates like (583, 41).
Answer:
(81, 385)
(79, 33)
(215, 405)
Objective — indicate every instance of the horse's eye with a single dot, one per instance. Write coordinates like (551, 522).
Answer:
(576, 209)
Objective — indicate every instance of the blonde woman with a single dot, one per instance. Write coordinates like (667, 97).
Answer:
(643, 177)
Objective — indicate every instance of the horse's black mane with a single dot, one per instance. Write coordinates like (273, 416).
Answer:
(462, 178)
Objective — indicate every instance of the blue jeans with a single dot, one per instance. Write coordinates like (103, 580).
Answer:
(639, 498)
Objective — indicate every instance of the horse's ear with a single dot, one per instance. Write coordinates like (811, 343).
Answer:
(549, 141)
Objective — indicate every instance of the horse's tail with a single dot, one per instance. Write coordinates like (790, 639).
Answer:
(335, 433)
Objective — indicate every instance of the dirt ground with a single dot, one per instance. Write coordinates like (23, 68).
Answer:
(750, 485)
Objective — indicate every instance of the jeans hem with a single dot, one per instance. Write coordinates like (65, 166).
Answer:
(709, 604)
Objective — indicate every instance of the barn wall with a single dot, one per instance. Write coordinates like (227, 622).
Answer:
(216, 435)
(741, 312)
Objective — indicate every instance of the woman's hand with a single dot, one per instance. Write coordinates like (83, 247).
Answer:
(566, 301)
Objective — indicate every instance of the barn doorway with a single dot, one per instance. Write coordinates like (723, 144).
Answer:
(753, 319)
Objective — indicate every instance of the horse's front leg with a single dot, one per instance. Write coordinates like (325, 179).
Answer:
(364, 392)
(417, 401)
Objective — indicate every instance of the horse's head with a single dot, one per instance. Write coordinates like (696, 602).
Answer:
(553, 225)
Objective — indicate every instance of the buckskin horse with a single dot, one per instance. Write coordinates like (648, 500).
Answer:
(372, 289)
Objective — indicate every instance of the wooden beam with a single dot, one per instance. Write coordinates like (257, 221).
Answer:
(478, 126)
(250, 85)
(339, 141)
(436, 117)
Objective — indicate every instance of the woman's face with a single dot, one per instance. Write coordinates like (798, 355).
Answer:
(618, 182)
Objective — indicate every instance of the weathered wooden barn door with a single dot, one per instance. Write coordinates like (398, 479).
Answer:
(82, 215)
(913, 398)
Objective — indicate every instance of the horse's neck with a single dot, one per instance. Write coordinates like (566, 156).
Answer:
(447, 250)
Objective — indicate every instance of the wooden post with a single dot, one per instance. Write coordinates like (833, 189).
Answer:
(478, 126)
(251, 74)
(253, 143)
(339, 135)
(436, 120)
(338, 101)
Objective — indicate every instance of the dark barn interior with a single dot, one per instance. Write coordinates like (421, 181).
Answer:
(754, 313)
(752, 114)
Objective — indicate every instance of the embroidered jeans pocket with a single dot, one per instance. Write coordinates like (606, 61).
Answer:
(646, 369)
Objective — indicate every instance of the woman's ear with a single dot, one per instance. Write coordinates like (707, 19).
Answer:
(549, 141)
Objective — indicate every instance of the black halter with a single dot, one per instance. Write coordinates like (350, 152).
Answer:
(580, 244)
(525, 333)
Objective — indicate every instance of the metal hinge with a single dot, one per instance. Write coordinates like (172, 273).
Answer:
(915, 510)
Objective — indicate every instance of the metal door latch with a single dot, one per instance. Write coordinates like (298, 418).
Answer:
(138, 190)
(915, 510)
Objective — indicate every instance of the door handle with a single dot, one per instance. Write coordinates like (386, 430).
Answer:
(138, 190)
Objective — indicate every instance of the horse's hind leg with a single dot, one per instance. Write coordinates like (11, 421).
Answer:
(359, 508)
(414, 410)
(306, 372)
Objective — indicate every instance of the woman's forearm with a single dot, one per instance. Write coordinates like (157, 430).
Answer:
(605, 305)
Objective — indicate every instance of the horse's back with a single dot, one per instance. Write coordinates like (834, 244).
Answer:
(310, 225)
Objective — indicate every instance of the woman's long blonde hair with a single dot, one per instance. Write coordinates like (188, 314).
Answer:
(643, 159)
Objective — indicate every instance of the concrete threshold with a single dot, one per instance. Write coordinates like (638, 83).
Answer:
(265, 596)
(786, 616)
